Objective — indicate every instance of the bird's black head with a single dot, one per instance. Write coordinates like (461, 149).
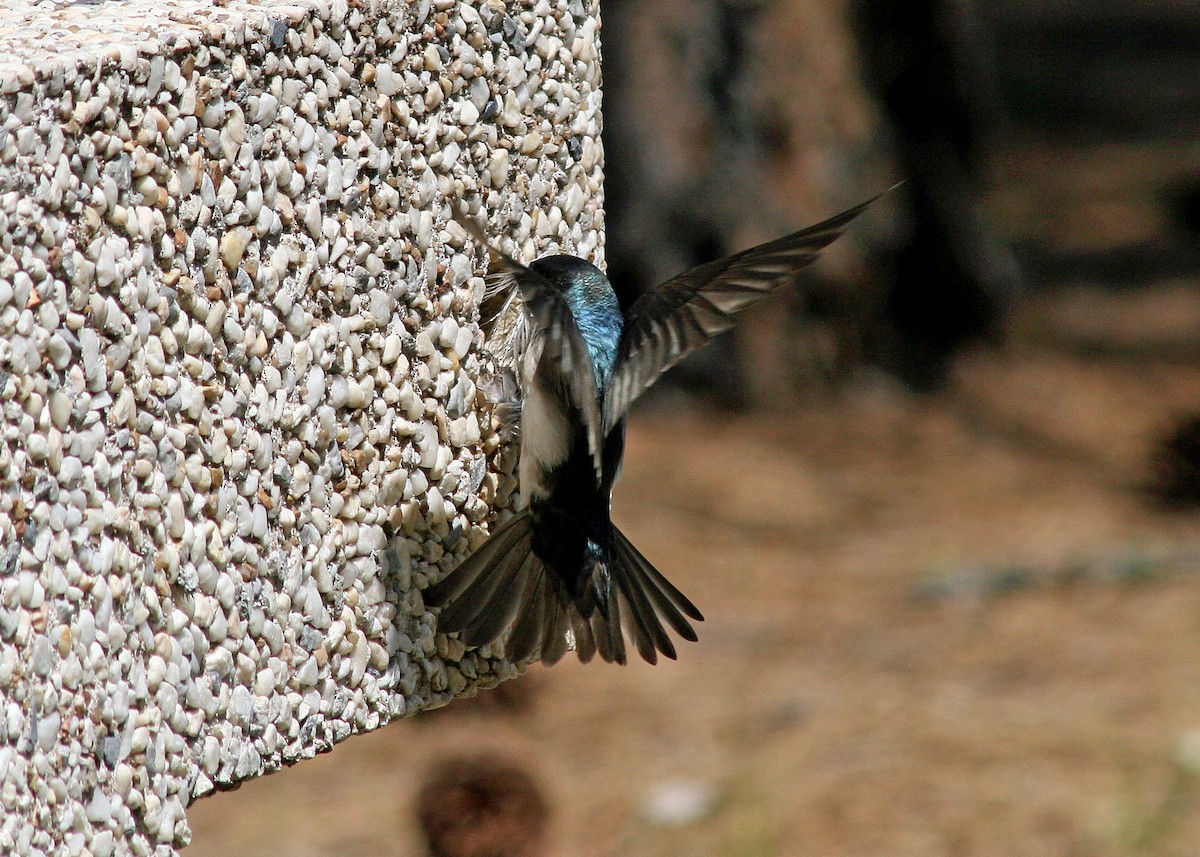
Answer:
(593, 305)
(566, 273)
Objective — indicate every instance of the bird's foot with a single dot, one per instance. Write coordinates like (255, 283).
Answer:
(504, 395)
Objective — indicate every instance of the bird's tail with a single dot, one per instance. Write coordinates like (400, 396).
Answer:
(505, 585)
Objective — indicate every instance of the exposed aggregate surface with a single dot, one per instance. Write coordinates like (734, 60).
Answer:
(239, 425)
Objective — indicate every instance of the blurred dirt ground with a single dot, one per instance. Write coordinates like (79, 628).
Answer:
(940, 626)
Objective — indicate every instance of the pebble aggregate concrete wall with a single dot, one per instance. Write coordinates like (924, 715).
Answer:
(239, 426)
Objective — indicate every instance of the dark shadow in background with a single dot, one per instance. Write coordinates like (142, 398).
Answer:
(1113, 73)
(948, 282)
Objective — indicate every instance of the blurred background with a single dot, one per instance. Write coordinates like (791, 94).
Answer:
(939, 502)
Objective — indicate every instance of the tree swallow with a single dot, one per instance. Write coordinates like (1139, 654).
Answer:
(558, 573)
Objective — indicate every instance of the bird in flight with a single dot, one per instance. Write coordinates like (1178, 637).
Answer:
(558, 574)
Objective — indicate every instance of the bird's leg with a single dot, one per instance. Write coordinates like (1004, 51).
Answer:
(502, 392)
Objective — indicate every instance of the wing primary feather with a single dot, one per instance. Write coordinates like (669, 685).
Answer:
(490, 590)
(501, 611)
(527, 631)
(452, 586)
(705, 321)
(712, 292)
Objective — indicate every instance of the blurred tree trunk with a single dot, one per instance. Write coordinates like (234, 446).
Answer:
(728, 123)
(928, 62)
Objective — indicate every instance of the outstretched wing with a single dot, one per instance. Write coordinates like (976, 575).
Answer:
(676, 318)
(563, 344)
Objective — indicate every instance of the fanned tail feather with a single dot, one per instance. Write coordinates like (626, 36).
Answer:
(649, 597)
(585, 640)
(504, 586)
(669, 603)
(606, 630)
